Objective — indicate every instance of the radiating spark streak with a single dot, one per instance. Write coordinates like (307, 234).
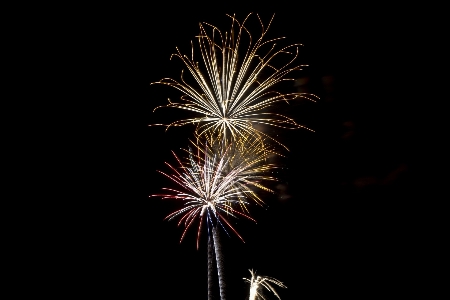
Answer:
(216, 179)
(256, 282)
(230, 92)
(223, 219)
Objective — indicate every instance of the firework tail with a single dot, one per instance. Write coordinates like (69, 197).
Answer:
(210, 268)
(219, 262)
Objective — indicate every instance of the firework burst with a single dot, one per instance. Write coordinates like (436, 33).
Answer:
(233, 84)
(217, 183)
(256, 282)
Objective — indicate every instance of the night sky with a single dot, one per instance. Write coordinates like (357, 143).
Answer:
(343, 220)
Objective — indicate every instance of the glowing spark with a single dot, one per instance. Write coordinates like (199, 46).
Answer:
(214, 181)
(233, 87)
(257, 281)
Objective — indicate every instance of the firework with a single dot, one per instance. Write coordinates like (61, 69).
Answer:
(247, 154)
(256, 282)
(217, 182)
(232, 87)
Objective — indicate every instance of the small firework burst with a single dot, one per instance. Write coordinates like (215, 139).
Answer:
(257, 282)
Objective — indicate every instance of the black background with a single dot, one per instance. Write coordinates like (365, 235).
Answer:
(345, 219)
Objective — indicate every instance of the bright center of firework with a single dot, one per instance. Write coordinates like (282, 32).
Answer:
(208, 205)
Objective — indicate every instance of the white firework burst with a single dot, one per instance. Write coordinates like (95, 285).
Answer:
(217, 182)
(258, 282)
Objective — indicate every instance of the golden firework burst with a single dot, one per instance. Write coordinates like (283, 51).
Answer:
(234, 84)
